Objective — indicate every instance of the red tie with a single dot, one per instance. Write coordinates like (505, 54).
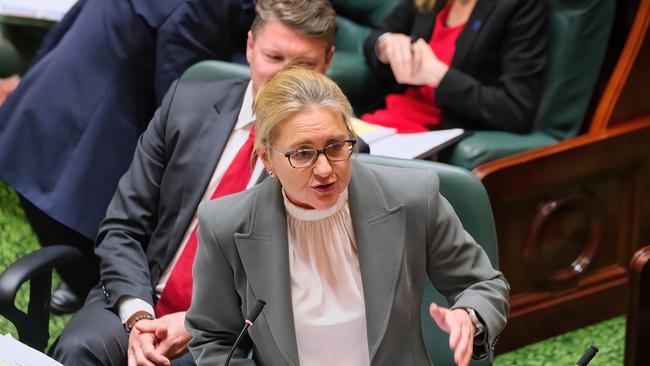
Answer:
(177, 294)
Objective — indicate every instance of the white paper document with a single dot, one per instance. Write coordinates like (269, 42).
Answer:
(15, 353)
(36, 9)
(387, 142)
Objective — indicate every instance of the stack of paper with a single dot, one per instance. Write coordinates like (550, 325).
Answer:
(36, 9)
(15, 353)
(387, 142)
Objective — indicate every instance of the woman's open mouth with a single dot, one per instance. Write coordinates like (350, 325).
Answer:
(324, 188)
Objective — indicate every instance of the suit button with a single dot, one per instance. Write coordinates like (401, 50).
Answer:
(106, 296)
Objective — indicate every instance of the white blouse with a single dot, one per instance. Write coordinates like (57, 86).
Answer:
(326, 291)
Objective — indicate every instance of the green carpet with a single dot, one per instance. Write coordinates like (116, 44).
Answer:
(17, 238)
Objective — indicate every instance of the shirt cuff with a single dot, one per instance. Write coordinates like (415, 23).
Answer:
(129, 305)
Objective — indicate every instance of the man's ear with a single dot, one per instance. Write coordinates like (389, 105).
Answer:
(328, 57)
(249, 46)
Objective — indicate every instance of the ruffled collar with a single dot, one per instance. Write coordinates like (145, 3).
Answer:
(314, 214)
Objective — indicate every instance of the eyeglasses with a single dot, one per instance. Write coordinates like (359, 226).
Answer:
(336, 151)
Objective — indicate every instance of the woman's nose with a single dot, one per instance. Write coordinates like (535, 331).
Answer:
(322, 166)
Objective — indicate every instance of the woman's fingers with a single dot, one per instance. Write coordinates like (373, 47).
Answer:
(463, 350)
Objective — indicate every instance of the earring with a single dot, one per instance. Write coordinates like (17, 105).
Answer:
(271, 174)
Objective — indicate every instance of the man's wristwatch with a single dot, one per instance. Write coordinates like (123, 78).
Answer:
(136, 317)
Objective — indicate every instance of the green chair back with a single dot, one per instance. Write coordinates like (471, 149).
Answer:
(10, 61)
(368, 12)
(469, 199)
(216, 70)
(579, 34)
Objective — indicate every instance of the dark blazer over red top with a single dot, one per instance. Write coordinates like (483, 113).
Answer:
(495, 78)
(69, 131)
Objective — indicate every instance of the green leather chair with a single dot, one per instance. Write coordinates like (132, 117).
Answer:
(579, 34)
(469, 199)
(10, 61)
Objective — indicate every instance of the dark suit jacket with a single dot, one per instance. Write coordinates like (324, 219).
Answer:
(495, 78)
(157, 197)
(68, 132)
(405, 231)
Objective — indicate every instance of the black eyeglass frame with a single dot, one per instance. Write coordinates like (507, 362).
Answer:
(288, 154)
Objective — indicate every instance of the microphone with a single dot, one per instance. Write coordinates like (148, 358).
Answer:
(248, 322)
(587, 356)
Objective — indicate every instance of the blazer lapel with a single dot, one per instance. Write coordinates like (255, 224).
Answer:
(379, 230)
(472, 28)
(207, 143)
(264, 253)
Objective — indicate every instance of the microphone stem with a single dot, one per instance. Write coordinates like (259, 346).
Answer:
(239, 337)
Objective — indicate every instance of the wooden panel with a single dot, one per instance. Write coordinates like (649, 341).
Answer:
(568, 220)
(638, 318)
(626, 96)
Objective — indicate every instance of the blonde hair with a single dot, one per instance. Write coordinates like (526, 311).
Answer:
(313, 18)
(424, 5)
(292, 90)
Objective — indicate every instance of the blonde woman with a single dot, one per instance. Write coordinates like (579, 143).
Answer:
(474, 64)
(338, 250)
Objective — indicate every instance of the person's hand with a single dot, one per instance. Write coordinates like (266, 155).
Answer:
(427, 68)
(142, 349)
(7, 86)
(458, 324)
(395, 49)
(169, 330)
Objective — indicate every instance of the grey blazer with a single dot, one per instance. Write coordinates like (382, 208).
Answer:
(405, 230)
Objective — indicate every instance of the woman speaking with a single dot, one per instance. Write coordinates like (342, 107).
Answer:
(338, 250)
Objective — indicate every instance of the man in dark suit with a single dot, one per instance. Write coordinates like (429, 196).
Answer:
(181, 159)
(68, 132)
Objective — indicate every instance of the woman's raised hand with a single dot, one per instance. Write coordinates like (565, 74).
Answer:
(394, 49)
(458, 324)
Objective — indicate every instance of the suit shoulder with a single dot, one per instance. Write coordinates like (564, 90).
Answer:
(403, 181)
(197, 92)
(229, 213)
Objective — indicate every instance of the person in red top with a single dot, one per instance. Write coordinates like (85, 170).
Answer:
(473, 64)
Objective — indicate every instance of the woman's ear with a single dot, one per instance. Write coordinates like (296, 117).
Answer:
(266, 159)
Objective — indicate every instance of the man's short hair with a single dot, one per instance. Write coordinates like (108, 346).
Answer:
(313, 18)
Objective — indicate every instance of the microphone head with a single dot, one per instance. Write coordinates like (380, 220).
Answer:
(587, 356)
(257, 309)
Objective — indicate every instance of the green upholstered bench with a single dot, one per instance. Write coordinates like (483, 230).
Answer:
(579, 37)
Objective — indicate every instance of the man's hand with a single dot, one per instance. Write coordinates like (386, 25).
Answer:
(142, 349)
(7, 86)
(460, 328)
(427, 68)
(395, 49)
(170, 333)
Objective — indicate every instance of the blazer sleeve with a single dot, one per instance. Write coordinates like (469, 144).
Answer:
(399, 20)
(132, 215)
(511, 103)
(461, 271)
(197, 30)
(214, 318)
